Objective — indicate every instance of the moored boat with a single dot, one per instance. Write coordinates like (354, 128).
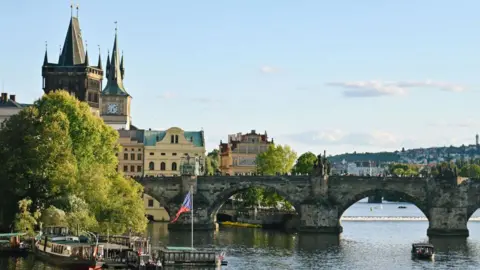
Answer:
(58, 248)
(12, 243)
(423, 251)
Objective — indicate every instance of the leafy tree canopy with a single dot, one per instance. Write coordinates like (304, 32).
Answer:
(60, 156)
(277, 159)
(305, 163)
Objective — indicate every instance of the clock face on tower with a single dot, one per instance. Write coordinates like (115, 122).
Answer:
(112, 108)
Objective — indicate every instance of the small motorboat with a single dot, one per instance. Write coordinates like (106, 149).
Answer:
(402, 207)
(423, 251)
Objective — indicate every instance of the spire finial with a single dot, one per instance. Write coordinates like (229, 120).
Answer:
(60, 49)
(46, 45)
(99, 49)
(77, 9)
(71, 9)
(86, 44)
(116, 27)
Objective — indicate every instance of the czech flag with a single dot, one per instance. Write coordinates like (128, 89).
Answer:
(186, 206)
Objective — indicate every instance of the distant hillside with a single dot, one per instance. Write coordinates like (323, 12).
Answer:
(377, 157)
(418, 155)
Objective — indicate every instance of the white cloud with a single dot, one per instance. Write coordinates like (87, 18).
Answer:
(384, 88)
(269, 69)
(338, 137)
(166, 95)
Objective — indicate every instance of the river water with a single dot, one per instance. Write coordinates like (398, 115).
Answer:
(362, 245)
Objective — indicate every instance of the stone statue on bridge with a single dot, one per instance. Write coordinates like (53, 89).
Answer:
(322, 166)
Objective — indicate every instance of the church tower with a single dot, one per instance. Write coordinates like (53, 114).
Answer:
(115, 100)
(73, 72)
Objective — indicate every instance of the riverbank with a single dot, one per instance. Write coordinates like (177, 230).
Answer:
(240, 224)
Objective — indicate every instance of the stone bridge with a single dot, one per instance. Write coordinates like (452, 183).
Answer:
(447, 202)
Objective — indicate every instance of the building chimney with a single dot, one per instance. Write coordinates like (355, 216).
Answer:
(4, 97)
(12, 97)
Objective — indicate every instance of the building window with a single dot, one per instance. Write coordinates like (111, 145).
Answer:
(151, 166)
(162, 166)
(132, 168)
(172, 139)
(125, 168)
(139, 156)
(125, 156)
(176, 138)
(139, 149)
(132, 156)
(150, 203)
(163, 154)
(133, 149)
(174, 166)
(186, 154)
(139, 168)
(174, 154)
(151, 153)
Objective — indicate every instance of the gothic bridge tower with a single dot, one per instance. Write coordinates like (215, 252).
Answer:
(73, 71)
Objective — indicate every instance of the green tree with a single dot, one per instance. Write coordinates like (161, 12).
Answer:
(277, 159)
(24, 220)
(470, 170)
(57, 153)
(305, 163)
(211, 162)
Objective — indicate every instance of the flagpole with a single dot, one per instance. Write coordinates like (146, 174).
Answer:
(191, 201)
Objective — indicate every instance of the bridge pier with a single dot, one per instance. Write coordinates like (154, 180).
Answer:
(319, 219)
(451, 221)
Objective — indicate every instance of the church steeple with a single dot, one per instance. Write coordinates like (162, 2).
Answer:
(114, 74)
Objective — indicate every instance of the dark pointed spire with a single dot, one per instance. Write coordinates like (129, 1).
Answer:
(108, 65)
(45, 59)
(73, 52)
(114, 75)
(86, 58)
(122, 69)
(99, 65)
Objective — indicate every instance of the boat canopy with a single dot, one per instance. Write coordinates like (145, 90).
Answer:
(2, 235)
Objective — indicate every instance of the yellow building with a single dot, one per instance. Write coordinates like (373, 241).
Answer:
(130, 156)
(237, 156)
(154, 210)
(166, 150)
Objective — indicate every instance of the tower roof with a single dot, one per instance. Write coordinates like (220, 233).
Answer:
(73, 52)
(114, 73)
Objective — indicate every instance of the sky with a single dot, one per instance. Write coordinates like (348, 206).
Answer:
(339, 76)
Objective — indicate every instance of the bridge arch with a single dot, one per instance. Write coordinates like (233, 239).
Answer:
(419, 203)
(226, 194)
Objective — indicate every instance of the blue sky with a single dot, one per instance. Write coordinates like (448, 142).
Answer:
(337, 75)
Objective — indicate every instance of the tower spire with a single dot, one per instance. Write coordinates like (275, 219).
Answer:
(99, 65)
(122, 69)
(86, 63)
(108, 64)
(114, 74)
(73, 52)
(45, 59)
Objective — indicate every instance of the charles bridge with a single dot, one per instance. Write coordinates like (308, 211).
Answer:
(448, 201)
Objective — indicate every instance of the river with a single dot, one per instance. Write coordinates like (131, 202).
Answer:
(362, 245)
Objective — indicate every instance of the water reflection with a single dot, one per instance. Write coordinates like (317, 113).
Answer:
(317, 242)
